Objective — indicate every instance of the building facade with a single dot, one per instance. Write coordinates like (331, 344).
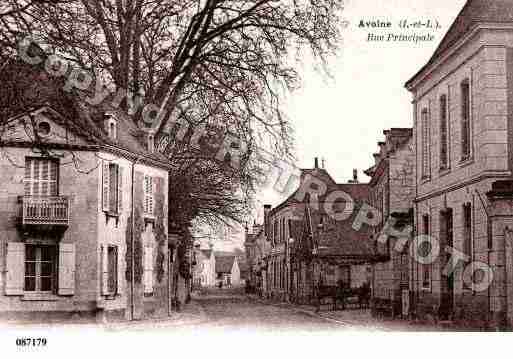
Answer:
(462, 101)
(392, 191)
(84, 203)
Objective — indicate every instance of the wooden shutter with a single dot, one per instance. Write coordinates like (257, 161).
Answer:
(148, 194)
(15, 263)
(66, 269)
(105, 186)
(105, 270)
(148, 269)
(120, 189)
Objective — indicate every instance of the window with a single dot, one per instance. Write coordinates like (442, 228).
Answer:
(465, 120)
(149, 192)
(112, 263)
(426, 268)
(151, 143)
(111, 127)
(41, 177)
(40, 268)
(467, 230)
(425, 142)
(112, 187)
(444, 137)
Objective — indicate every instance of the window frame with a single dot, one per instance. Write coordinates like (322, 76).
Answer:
(466, 119)
(38, 263)
(425, 146)
(444, 131)
(28, 182)
(112, 271)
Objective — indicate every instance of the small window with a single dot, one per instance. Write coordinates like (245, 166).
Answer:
(43, 129)
(40, 268)
(112, 269)
(112, 130)
(151, 143)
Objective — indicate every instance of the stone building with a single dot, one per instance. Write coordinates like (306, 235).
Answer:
(309, 245)
(204, 274)
(257, 248)
(463, 135)
(392, 191)
(84, 207)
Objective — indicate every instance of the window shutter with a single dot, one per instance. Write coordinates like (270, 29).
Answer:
(120, 189)
(145, 193)
(150, 195)
(15, 268)
(105, 270)
(66, 269)
(105, 186)
(148, 269)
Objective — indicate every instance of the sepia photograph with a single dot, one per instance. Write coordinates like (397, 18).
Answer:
(257, 178)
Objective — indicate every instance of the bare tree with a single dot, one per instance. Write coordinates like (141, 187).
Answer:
(222, 64)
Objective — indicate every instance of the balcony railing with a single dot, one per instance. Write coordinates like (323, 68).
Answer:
(45, 210)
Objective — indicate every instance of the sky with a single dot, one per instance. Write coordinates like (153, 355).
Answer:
(341, 119)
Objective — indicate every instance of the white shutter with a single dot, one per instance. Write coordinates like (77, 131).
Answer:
(145, 194)
(105, 186)
(148, 269)
(120, 189)
(150, 195)
(15, 263)
(105, 270)
(66, 269)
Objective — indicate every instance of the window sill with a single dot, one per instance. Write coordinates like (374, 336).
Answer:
(426, 289)
(47, 297)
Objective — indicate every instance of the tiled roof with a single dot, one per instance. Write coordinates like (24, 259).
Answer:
(27, 87)
(473, 13)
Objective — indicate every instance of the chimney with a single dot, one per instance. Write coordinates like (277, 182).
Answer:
(316, 162)
(267, 210)
(355, 176)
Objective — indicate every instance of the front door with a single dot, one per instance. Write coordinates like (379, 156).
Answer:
(447, 281)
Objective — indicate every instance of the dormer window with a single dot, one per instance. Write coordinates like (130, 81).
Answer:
(111, 126)
(151, 143)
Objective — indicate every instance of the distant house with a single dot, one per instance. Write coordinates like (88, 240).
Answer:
(204, 274)
(227, 269)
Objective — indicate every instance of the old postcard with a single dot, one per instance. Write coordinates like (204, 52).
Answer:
(255, 177)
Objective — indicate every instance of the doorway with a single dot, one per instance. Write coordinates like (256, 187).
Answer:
(446, 280)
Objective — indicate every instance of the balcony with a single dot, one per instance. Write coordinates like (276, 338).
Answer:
(45, 211)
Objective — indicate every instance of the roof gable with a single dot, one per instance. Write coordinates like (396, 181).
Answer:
(474, 12)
